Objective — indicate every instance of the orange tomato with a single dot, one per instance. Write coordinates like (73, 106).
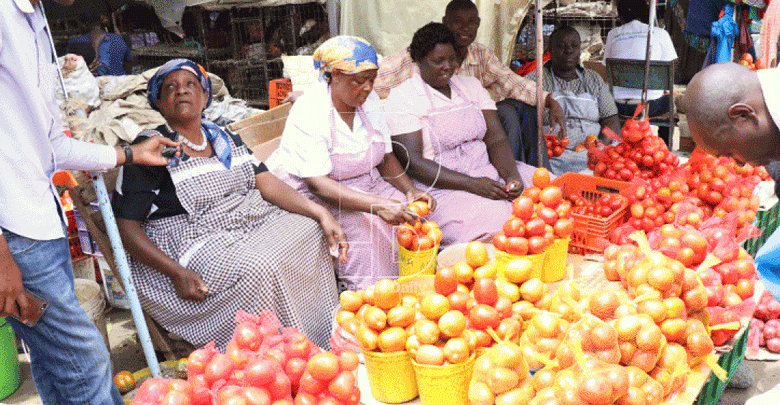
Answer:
(541, 178)
(375, 318)
(464, 272)
(430, 355)
(747, 57)
(401, 316)
(533, 290)
(124, 381)
(456, 350)
(427, 331)
(551, 196)
(392, 340)
(420, 208)
(523, 208)
(426, 242)
(350, 301)
(323, 366)
(452, 323)
(518, 270)
(387, 294)
(476, 254)
(433, 306)
(445, 282)
(532, 193)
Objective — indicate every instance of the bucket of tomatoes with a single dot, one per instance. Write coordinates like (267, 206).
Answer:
(418, 243)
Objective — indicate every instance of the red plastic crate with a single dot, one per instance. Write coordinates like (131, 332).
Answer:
(589, 230)
(71, 216)
(75, 249)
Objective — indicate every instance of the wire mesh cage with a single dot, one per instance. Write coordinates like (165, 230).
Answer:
(592, 18)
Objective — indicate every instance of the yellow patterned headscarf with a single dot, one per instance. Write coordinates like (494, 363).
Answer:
(348, 54)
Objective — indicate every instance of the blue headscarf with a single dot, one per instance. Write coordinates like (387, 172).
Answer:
(216, 136)
(348, 54)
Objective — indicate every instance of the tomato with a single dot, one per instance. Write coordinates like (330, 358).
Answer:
(375, 318)
(514, 227)
(196, 362)
(294, 369)
(532, 193)
(350, 301)
(541, 178)
(517, 246)
(124, 381)
(311, 385)
(430, 355)
(401, 316)
(452, 324)
(483, 316)
(456, 350)
(564, 227)
(548, 215)
(499, 241)
(551, 196)
(247, 336)
(260, 372)
(304, 398)
(464, 272)
(387, 293)
(433, 306)
(476, 254)
(427, 331)
(445, 281)
(323, 366)
(536, 245)
(406, 235)
(341, 386)
(523, 208)
(219, 368)
(420, 208)
(392, 339)
(534, 227)
(176, 398)
(485, 291)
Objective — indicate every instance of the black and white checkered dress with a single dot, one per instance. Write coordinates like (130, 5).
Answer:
(252, 255)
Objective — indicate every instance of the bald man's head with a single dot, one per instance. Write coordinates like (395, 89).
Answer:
(727, 114)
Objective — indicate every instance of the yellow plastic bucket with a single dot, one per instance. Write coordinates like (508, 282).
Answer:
(537, 262)
(445, 385)
(391, 376)
(416, 262)
(555, 261)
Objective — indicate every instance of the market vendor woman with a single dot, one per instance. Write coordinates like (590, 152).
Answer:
(336, 149)
(219, 233)
(447, 129)
(584, 96)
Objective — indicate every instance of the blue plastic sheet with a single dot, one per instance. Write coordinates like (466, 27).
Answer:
(768, 264)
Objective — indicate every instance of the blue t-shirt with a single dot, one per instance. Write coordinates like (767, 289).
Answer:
(112, 53)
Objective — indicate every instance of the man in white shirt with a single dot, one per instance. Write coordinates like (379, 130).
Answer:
(629, 41)
(70, 363)
(733, 111)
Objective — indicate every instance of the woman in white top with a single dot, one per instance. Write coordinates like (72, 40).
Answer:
(336, 148)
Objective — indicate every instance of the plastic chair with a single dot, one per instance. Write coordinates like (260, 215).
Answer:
(630, 73)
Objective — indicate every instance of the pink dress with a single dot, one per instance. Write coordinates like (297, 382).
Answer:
(454, 139)
(372, 243)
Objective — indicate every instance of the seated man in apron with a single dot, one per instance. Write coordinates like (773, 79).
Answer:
(584, 96)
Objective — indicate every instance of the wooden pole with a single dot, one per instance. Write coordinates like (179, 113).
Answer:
(540, 144)
(650, 25)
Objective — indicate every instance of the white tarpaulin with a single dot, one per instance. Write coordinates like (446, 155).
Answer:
(389, 25)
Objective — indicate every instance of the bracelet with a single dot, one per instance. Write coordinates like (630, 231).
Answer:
(128, 155)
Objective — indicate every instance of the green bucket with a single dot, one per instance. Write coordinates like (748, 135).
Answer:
(10, 378)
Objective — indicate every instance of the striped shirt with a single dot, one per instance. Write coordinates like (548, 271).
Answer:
(480, 62)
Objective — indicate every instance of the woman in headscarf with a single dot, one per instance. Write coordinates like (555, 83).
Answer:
(217, 232)
(336, 149)
(447, 128)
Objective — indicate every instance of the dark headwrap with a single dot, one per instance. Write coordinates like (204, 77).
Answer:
(216, 136)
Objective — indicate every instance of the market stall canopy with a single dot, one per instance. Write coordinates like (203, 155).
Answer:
(392, 23)
(170, 12)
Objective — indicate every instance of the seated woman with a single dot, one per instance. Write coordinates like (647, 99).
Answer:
(447, 130)
(336, 149)
(217, 232)
(584, 96)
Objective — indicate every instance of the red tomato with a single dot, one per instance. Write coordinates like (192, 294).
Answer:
(499, 241)
(536, 245)
(257, 396)
(311, 385)
(485, 291)
(260, 372)
(514, 227)
(548, 215)
(564, 228)
(517, 245)
(534, 227)
(341, 386)
(294, 369)
(196, 363)
(523, 207)
(247, 336)
(483, 316)
(551, 196)
(281, 387)
(304, 398)
(445, 282)
(219, 368)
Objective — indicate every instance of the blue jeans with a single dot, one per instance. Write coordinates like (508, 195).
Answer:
(70, 362)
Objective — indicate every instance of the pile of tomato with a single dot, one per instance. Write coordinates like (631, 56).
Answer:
(641, 154)
(419, 235)
(555, 146)
(602, 207)
(263, 364)
(539, 216)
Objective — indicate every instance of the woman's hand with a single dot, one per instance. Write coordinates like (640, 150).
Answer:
(488, 188)
(189, 285)
(514, 188)
(395, 213)
(557, 115)
(337, 239)
(415, 194)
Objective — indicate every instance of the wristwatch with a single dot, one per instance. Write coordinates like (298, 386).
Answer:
(128, 155)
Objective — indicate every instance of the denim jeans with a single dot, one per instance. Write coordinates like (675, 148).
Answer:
(519, 122)
(70, 362)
